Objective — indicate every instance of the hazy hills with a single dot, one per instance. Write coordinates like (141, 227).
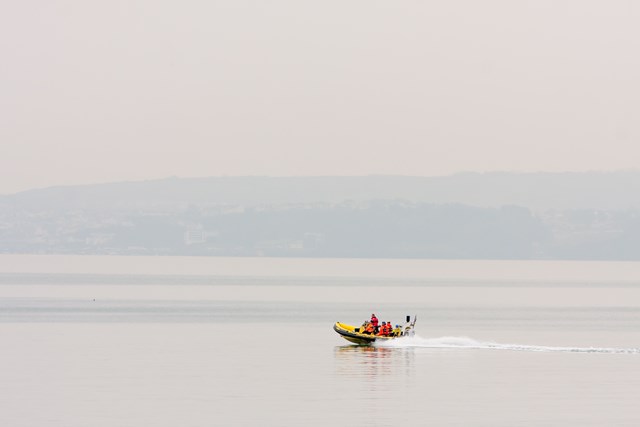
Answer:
(590, 190)
(484, 216)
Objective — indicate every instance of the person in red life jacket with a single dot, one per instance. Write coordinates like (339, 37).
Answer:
(374, 322)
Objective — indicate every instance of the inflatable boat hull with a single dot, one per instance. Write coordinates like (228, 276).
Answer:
(349, 333)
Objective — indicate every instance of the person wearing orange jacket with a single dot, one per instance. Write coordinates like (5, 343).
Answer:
(383, 329)
(369, 329)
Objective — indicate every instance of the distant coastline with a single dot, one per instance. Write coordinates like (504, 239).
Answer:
(564, 216)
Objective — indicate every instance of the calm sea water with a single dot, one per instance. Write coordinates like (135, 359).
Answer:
(132, 341)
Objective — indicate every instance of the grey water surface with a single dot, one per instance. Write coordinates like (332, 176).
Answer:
(109, 341)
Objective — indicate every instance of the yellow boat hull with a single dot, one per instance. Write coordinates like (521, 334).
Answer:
(349, 333)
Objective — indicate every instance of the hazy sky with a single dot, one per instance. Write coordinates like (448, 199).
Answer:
(95, 91)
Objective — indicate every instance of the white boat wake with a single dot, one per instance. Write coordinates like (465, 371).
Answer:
(469, 343)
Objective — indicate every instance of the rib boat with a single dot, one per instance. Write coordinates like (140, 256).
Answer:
(353, 333)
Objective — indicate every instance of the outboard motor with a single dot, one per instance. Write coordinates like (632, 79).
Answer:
(407, 329)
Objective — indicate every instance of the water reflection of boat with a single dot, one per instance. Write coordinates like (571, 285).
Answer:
(369, 361)
(353, 334)
(364, 350)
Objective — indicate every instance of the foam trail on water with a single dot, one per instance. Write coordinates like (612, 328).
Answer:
(469, 343)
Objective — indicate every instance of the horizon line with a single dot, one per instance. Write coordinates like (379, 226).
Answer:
(177, 177)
